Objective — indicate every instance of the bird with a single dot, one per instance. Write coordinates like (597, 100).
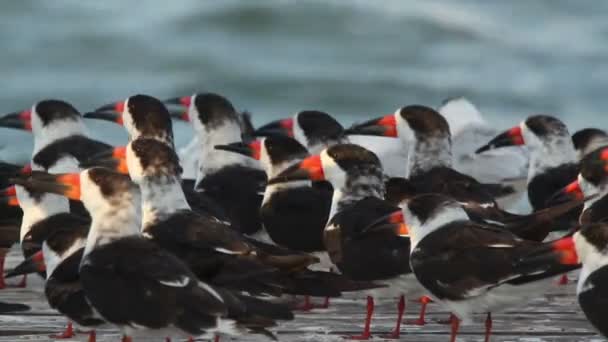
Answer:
(374, 255)
(62, 236)
(553, 159)
(426, 134)
(469, 129)
(589, 246)
(488, 269)
(293, 214)
(233, 181)
(587, 140)
(146, 116)
(136, 285)
(590, 183)
(317, 130)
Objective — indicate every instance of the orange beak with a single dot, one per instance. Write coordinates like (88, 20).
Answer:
(10, 201)
(310, 168)
(395, 222)
(71, 183)
(116, 160)
(384, 126)
(567, 250)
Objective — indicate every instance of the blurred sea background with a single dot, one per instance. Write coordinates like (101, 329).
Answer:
(354, 59)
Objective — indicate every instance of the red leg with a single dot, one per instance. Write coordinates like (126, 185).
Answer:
(167, 339)
(126, 338)
(216, 339)
(306, 306)
(23, 283)
(92, 336)
(424, 301)
(68, 333)
(563, 280)
(455, 323)
(400, 309)
(488, 327)
(368, 321)
(2, 283)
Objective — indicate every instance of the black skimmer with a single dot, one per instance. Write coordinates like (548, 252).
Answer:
(293, 214)
(141, 115)
(62, 236)
(553, 159)
(186, 111)
(469, 130)
(146, 116)
(317, 130)
(371, 255)
(588, 140)
(233, 181)
(61, 139)
(427, 135)
(214, 250)
(592, 181)
(590, 244)
(489, 269)
(139, 287)
(60, 136)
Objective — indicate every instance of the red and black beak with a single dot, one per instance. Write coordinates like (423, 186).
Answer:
(554, 258)
(114, 159)
(274, 128)
(393, 222)
(106, 116)
(385, 126)
(19, 120)
(511, 137)
(35, 263)
(10, 191)
(571, 192)
(10, 201)
(110, 112)
(310, 168)
(180, 114)
(252, 149)
(66, 184)
(566, 249)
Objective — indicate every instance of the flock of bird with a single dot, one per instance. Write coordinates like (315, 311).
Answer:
(213, 239)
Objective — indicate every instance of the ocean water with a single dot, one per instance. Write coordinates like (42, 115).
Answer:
(354, 59)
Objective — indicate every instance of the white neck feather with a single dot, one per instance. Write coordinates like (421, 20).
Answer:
(52, 259)
(419, 230)
(111, 222)
(553, 152)
(354, 190)
(212, 160)
(34, 212)
(57, 130)
(429, 153)
(591, 258)
(161, 197)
